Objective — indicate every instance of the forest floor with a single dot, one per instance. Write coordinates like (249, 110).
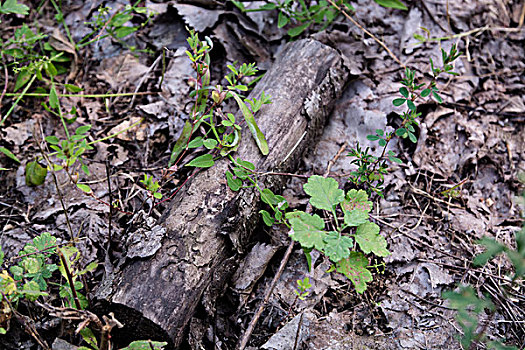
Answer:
(474, 139)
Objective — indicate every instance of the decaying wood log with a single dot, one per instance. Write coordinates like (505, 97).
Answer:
(207, 223)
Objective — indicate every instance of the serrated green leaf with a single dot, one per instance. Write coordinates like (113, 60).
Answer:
(354, 268)
(337, 246)
(324, 192)
(260, 140)
(35, 174)
(9, 154)
(307, 229)
(204, 161)
(355, 217)
(357, 199)
(12, 6)
(369, 240)
(45, 241)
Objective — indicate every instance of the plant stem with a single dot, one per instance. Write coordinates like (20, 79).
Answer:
(24, 93)
(35, 94)
(69, 279)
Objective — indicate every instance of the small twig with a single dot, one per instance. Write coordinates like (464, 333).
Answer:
(246, 336)
(333, 160)
(121, 94)
(139, 85)
(394, 57)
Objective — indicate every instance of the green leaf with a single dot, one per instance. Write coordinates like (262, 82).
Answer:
(404, 92)
(354, 268)
(382, 142)
(32, 291)
(12, 6)
(252, 125)
(337, 246)
(210, 143)
(369, 240)
(85, 188)
(395, 4)
(89, 337)
(492, 247)
(23, 77)
(72, 88)
(35, 174)
(425, 93)
(145, 345)
(355, 217)
(357, 199)
(437, 97)
(398, 101)
(372, 137)
(124, 31)
(204, 161)
(45, 241)
(411, 105)
(196, 142)
(392, 157)
(412, 137)
(282, 20)
(9, 154)
(81, 130)
(324, 192)
(298, 30)
(181, 143)
(53, 97)
(307, 229)
(267, 218)
(233, 184)
(52, 140)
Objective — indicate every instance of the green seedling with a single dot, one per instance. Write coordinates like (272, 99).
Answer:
(152, 186)
(370, 168)
(302, 288)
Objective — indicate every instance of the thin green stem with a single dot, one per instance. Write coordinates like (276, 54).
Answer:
(123, 94)
(24, 93)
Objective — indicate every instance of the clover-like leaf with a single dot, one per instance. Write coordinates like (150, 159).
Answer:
(356, 217)
(324, 191)
(354, 268)
(369, 239)
(307, 229)
(337, 246)
(357, 199)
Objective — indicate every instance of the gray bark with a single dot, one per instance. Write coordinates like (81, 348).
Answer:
(208, 224)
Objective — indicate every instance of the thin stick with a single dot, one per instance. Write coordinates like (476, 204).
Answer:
(122, 94)
(367, 32)
(246, 336)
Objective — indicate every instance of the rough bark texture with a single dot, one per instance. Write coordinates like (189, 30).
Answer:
(208, 223)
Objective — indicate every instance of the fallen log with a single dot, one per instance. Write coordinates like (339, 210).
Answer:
(208, 224)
